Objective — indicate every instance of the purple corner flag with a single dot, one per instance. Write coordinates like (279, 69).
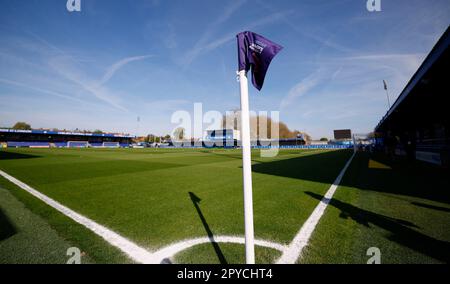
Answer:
(256, 52)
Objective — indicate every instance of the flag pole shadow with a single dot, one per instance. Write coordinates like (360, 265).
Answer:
(196, 200)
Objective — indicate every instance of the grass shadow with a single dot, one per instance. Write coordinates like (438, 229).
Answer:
(196, 200)
(402, 231)
(7, 229)
(4, 155)
(319, 167)
(439, 208)
(402, 177)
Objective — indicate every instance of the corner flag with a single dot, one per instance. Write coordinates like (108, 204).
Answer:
(255, 52)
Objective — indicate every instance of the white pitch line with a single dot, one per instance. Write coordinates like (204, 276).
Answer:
(173, 249)
(134, 251)
(295, 248)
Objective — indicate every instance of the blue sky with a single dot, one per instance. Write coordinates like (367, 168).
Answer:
(117, 60)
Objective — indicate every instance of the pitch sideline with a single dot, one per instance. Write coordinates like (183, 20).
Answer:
(295, 248)
(135, 252)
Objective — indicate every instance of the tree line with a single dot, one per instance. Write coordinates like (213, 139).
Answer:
(258, 121)
(26, 126)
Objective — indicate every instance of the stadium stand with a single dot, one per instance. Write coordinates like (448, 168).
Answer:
(47, 139)
(418, 125)
(29, 144)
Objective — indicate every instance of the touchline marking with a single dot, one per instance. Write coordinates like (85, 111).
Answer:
(295, 248)
(134, 251)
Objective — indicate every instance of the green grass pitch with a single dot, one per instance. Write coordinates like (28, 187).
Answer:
(146, 195)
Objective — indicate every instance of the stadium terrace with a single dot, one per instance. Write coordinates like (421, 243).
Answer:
(417, 124)
(58, 139)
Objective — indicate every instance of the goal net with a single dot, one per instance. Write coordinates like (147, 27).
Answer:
(111, 144)
(77, 144)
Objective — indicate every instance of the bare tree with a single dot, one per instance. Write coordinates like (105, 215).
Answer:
(232, 120)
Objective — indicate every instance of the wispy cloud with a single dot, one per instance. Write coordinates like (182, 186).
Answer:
(302, 88)
(167, 105)
(40, 90)
(65, 67)
(119, 65)
(306, 32)
(397, 61)
(210, 41)
(367, 68)
(199, 46)
(46, 43)
(231, 36)
(170, 38)
(200, 49)
(390, 56)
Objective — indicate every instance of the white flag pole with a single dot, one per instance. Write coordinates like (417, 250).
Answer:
(247, 169)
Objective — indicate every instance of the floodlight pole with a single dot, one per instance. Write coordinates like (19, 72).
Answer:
(247, 169)
(387, 94)
(389, 101)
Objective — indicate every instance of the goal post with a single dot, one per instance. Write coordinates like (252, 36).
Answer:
(77, 144)
(111, 144)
